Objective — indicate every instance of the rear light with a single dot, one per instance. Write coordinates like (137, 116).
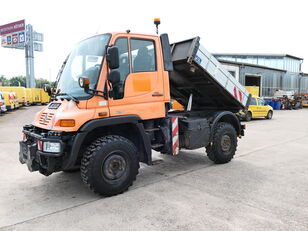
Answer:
(40, 145)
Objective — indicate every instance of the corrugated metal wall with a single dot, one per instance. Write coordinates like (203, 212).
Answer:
(303, 84)
(272, 80)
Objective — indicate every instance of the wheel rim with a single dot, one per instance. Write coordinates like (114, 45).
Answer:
(225, 143)
(114, 167)
(248, 117)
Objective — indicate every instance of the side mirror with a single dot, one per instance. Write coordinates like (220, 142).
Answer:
(114, 77)
(84, 83)
(47, 89)
(112, 57)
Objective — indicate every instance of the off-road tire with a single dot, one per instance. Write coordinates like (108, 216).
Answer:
(215, 151)
(269, 115)
(248, 116)
(94, 173)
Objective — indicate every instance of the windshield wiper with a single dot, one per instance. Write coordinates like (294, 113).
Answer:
(70, 96)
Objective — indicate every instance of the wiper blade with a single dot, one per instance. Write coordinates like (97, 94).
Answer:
(61, 69)
(70, 96)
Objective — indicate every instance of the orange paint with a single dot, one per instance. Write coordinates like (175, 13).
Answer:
(145, 95)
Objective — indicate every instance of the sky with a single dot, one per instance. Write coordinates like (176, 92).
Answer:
(225, 26)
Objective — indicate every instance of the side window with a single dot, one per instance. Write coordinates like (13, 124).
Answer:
(260, 102)
(143, 55)
(253, 101)
(122, 44)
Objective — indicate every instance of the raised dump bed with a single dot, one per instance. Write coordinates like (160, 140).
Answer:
(197, 73)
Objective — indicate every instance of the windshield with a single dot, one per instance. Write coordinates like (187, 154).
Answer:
(85, 60)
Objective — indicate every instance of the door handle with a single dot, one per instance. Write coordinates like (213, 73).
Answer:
(157, 94)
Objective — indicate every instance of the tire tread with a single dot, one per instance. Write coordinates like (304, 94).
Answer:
(89, 155)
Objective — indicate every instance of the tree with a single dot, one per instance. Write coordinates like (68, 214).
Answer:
(4, 81)
(18, 81)
(39, 83)
(21, 81)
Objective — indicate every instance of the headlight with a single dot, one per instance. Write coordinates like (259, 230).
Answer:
(51, 147)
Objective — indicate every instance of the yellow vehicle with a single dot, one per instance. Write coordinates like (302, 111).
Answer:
(15, 99)
(29, 96)
(257, 108)
(20, 94)
(36, 95)
(2, 104)
(45, 98)
(8, 99)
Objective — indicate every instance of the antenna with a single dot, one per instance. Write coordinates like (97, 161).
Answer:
(156, 22)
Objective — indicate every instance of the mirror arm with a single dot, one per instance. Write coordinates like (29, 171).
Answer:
(106, 90)
(97, 93)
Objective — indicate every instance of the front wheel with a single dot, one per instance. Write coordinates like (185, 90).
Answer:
(110, 165)
(224, 144)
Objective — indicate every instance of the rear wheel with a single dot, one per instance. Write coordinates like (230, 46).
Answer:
(110, 165)
(248, 116)
(269, 115)
(224, 144)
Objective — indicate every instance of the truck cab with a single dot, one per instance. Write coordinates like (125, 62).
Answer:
(111, 108)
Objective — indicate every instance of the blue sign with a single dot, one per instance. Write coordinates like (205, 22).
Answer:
(198, 59)
(21, 37)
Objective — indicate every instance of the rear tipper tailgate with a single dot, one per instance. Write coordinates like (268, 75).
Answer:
(198, 72)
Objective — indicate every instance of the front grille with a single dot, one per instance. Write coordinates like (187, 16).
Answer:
(46, 118)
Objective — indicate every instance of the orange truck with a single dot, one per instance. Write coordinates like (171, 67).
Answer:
(112, 109)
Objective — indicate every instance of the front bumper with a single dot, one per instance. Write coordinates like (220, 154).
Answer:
(34, 157)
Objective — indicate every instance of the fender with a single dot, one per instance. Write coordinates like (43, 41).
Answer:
(145, 144)
(225, 116)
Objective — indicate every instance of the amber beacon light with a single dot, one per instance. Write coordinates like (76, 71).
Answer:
(156, 22)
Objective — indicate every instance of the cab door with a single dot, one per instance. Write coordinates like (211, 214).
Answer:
(141, 90)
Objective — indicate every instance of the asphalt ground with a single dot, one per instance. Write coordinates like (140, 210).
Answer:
(263, 188)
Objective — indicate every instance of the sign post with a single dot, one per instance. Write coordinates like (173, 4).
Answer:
(18, 35)
(29, 57)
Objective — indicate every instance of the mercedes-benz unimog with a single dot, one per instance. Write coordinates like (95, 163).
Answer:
(111, 108)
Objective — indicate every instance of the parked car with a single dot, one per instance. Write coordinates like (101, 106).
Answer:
(257, 108)
(20, 93)
(9, 101)
(2, 104)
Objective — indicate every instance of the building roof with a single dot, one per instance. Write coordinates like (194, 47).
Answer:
(250, 65)
(259, 55)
